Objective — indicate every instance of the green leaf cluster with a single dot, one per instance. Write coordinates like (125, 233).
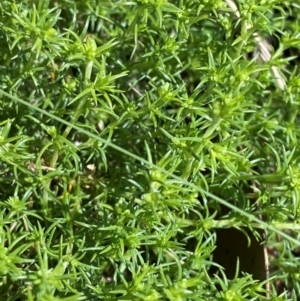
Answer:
(126, 128)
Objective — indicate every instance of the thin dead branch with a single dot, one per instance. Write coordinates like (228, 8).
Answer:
(264, 48)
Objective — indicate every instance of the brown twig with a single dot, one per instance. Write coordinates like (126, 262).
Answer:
(263, 46)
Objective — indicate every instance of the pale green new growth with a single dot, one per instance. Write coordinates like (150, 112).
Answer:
(130, 131)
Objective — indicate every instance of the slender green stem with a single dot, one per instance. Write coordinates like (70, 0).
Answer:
(250, 217)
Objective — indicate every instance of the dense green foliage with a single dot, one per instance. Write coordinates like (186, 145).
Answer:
(125, 125)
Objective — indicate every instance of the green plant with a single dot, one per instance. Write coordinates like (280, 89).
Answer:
(126, 129)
